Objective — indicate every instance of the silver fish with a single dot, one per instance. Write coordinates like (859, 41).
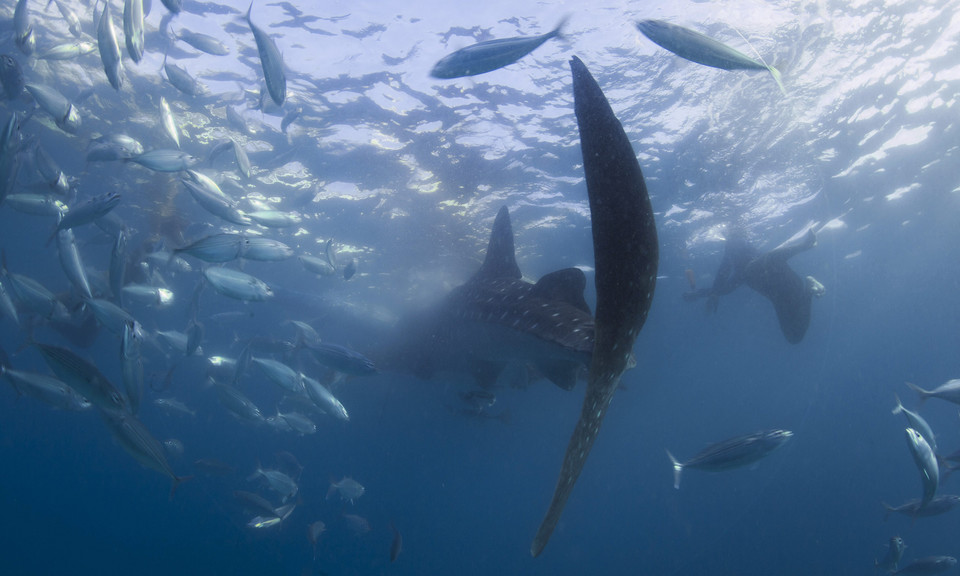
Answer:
(490, 55)
(316, 265)
(174, 405)
(949, 391)
(36, 298)
(220, 206)
(68, 51)
(298, 422)
(237, 403)
(891, 560)
(278, 482)
(274, 218)
(349, 489)
(165, 160)
(324, 399)
(168, 122)
(913, 508)
(23, 28)
(50, 172)
(118, 265)
(133, 28)
(7, 306)
(927, 566)
(47, 389)
(203, 42)
(134, 437)
(732, 453)
(73, 23)
(237, 284)
(36, 204)
(926, 462)
(83, 377)
(109, 49)
(702, 49)
(148, 295)
(264, 249)
(181, 79)
(111, 316)
(216, 248)
(71, 263)
(917, 423)
(289, 118)
(271, 61)
(243, 161)
(54, 103)
(174, 339)
(236, 120)
(132, 363)
(113, 147)
(89, 211)
(280, 374)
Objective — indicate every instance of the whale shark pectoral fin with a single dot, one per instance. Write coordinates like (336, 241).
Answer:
(626, 255)
(501, 259)
(560, 372)
(566, 285)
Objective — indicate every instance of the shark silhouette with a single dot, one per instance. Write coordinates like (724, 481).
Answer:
(496, 318)
(626, 254)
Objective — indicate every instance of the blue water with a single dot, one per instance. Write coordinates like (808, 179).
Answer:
(406, 173)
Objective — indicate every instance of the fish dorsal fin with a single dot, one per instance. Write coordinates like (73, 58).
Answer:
(566, 285)
(501, 260)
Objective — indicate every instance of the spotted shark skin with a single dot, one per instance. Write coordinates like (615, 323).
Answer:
(626, 255)
(497, 318)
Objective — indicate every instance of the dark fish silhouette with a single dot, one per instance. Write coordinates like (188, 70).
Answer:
(626, 256)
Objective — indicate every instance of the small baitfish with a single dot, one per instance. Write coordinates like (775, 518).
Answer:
(271, 61)
(702, 49)
(732, 453)
(926, 462)
(348, 488)
(237, 285)
(490, 55)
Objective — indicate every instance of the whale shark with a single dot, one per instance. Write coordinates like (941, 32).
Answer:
(496, 318)
(626, 256)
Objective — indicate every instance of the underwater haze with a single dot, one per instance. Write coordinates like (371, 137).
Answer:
(370, 194)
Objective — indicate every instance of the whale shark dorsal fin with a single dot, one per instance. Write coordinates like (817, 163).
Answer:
(565, 285)
(501, 259)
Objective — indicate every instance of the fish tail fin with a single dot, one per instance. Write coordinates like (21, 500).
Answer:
(177, 481)
(887, 509)
(778, 78)
(557, 31)
(677, 469)
(924, 394)
(249, 10)
(332, 489)
(773, 71)
(899, 408)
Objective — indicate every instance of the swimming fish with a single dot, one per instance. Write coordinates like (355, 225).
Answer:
(109, 49)
(732, 453)
(490, 55)
(700, 48)
(271, 61)
(926, 462)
